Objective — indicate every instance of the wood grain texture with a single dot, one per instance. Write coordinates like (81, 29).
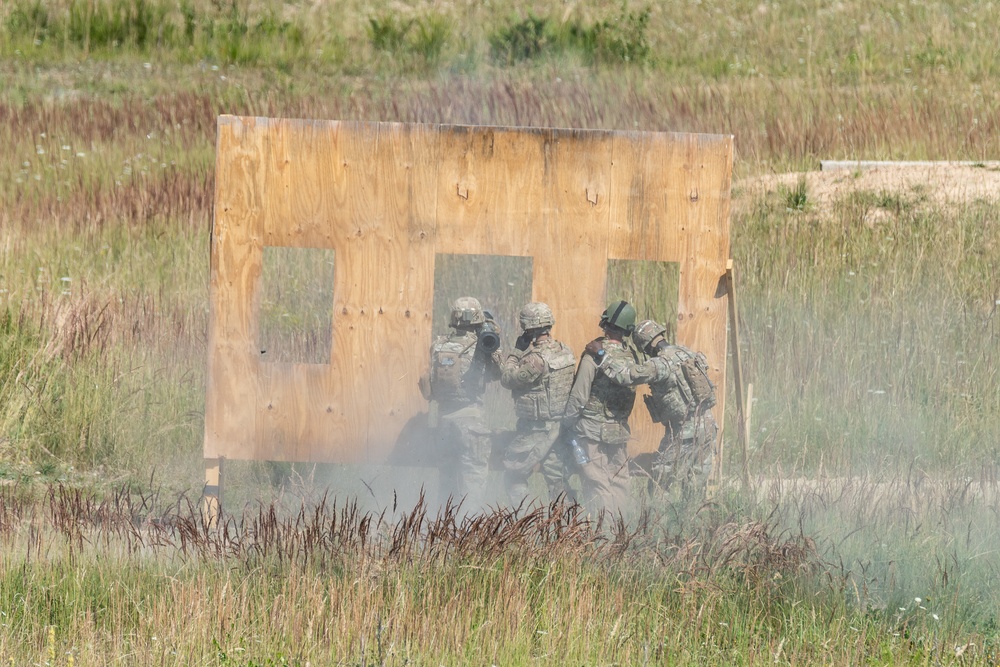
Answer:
(670, 202)
(386, 198)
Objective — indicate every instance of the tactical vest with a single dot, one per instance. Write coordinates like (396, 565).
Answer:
(547, 399)
(455, 376)
(686, 392)
(608, 401)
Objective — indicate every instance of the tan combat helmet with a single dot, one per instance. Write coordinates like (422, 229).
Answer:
(466, 312)
(536, 315)
(646, 333)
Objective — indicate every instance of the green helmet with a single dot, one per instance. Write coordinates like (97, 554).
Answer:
(466, 311)
(619, 314)
(646, 332)
(536, 315)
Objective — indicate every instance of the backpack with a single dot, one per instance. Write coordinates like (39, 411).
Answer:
(695, 371)
(687, 391)
(450, 361)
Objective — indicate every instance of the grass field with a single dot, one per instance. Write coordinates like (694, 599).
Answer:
(868, 320)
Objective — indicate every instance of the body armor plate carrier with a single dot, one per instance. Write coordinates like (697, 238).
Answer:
(452, 370)
(547, 399)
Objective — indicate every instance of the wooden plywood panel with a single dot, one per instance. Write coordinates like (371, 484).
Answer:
(235, 269)
(668, 191)
(295, 413)
(489, 190)
(388, 286)
(295, 410)
(570, 241)
(386, 198)
(378, 217)
(301, 192)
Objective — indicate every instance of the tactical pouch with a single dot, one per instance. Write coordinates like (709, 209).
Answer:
(695, 371)
(615, 434)
(526, 407)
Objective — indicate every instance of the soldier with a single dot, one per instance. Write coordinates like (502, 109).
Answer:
(462, 362)
(598, 410)
(681, 400)
(539, 373)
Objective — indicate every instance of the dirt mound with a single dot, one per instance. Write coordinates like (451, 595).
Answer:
(931, 182)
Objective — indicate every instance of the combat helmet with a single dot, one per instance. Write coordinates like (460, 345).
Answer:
(466, 311)
(536, 315)
(619, 314)
(646, 332)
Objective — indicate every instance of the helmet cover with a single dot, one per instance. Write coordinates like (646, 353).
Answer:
(466, 311)
(536, 315)
(646, 332)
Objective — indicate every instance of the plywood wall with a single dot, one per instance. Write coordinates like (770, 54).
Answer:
(386, 197)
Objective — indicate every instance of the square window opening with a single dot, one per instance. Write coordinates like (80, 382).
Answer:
(295, 314)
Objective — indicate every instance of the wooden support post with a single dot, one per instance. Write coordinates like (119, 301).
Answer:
(742, 414)
(212, 495)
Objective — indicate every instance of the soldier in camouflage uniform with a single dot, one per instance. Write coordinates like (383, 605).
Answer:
(685, 452)
(460, 367)
(598, 410)
(539, 373)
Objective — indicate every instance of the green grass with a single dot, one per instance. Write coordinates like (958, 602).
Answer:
(139, 578)
(869, 327)
(872, 343)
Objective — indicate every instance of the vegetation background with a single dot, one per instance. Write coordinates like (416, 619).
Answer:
(869, 325)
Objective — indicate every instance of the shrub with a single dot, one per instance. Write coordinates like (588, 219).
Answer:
(29, 19)
(523, 40)
(797, 198)
(387, 32)
(430, 37)
(619, 39)
(623, 38)
(131, 22)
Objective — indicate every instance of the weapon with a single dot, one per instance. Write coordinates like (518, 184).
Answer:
(489, 334)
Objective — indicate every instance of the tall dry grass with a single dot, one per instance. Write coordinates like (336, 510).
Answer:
(142, 578)
(872, 347)
(871, 332)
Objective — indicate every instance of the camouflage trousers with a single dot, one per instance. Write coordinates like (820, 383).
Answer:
(536, 444)
(685, 455)
(605, 480)
(465, 444)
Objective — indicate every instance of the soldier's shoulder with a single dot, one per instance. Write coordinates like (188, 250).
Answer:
(616, 348)
(559, 355)
(553, 345)
(534, 360)
(452, 342)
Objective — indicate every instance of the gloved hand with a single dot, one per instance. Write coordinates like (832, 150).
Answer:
(523, 342)
(595, 348)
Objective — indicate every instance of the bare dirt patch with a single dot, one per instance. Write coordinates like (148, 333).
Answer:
(939, 183)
